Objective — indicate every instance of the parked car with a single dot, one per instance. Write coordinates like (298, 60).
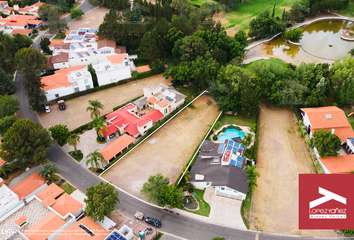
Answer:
(61, 105)
(47, 109)
(153, 222)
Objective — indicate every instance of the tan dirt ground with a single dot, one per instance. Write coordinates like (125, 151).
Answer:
(75, 114)
(91, 19)
(282, 156)
(225, 23)
(167, 151)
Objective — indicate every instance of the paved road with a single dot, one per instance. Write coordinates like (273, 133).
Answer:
(85, 7)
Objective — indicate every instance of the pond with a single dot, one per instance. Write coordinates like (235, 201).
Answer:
(190, 203)
(315, 43)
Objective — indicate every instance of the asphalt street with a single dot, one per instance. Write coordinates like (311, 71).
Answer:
(171, 223)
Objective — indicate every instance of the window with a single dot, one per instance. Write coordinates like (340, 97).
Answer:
(235, 191)
(145, 126)
(88, 46)
(222, 188)
(56, 95)
(105, 52)
(82, 60)
(86, 230)
(126, 63)
(88, 86)
(76, 84)
(86, 81)
(207, 184)
(63, 63)
(76, 89)
(165, 110)
(86, 60)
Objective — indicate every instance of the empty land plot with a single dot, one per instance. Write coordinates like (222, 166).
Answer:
(76, 115)
(91, 19)
(167, 151)
(282, 156)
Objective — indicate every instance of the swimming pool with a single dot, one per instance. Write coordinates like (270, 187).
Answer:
(230, 134)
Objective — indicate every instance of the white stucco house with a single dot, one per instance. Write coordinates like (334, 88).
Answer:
(67, 81)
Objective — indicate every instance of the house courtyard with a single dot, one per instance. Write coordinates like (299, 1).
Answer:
(167, 151)
(282, 156)
(76, 115)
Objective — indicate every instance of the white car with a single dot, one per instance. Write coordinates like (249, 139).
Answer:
(47, 109)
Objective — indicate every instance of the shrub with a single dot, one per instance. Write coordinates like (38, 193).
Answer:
(294, 35)
(215, 137)
(190, 187)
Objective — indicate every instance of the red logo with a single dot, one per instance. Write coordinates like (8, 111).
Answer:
(326, 201)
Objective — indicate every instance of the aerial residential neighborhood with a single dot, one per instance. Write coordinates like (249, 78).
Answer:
(169, 119)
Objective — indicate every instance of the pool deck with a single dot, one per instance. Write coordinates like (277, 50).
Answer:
(246, 130)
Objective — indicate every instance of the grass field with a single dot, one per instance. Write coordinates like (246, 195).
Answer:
(246, 208)
(204, 207)
(75, 5)
(243, 15)
(239, 119)
(347, 11)
(200, 2)
(273, 60)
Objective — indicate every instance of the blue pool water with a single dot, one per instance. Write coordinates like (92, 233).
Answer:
(231, 133)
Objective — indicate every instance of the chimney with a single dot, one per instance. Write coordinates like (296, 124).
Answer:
(333, 130)
(16, 7)
(25, 202)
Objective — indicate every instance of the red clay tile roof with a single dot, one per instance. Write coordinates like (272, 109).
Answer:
(121, 116)
(340, 164)
(35, 22)
(145, 68)
(38, 4)
(61, 57)
(128, 106)
(55, 41)
(152, 99)
(117, 58)
(27, 186)
(117, 146)
(163, 103)
(22, 31)
(59, 79)
(339, 121)
(51, 191)
(74, 232)
(121, 49)
(62, 46)
(143, 122)
(49, 64)
(1, 2)
(48, 201)
(106, 43)
(2, 162)
(111, 128)
(45, 227)
(20, 220)
(66, 204)
(154, 115)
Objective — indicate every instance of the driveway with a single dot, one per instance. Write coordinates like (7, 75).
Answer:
(167, 151)
(91, 19)
(224, 211)
(75, 114)
(282, 156)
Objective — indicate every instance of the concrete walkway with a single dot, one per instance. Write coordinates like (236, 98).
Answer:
(24, 175)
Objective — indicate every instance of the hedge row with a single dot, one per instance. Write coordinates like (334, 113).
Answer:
(141, 61)
(158, 236)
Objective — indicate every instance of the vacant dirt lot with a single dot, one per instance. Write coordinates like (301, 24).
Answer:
(167, 151)
(91, 19)
(282, 156)
(75, 114)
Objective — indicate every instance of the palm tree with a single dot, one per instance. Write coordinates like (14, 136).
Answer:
(4, 169)
(351, 52)
(93, 108)
(73, 140)
(186, 175)
(93, 159)
(99, 124)
(253, 174)
(48, 172)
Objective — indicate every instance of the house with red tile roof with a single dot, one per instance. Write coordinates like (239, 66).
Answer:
(66, 204)
(32, 9)
(117, 147)
(30, 186)
(19, 22)
(342, 164)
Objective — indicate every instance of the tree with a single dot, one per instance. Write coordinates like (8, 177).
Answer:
(273, 10)
(294, 35)
(94, 107)
(218, 238)
(7, 84)
(94, 158)
(100, 201)
(171, 195)
(76, 13)
(233, 3)
(192, 48)
(44, 10)
(6, 123)
(136, 15)
(327, 143)
(93, 75)
(344, 94)
(60, 133)
(49, 172)
(44, 43)
(26, 142)
(181, 6)
(341, 69)
(265, 26)
(241, 38)
(99, 124)
(253, 174)
(96, 2)
(351, 52)
(56, 23)
(8, 106)
(168, 12)
(154, 187)
(348, 231)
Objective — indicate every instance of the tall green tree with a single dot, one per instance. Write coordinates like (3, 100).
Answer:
(253, 174)
(49, 172)
(94, 107)
(351, 52)
(44, 10)
(265, 26)
(26, 142)
(154, 187)
(60, 133)
(100, 201)
(94, 158)
(6, 123)
(327, 144)
(191, 48)
(241, 38)
(99, 124)
(44, 43)
(344, 94)
(8, 106)
(172, 196)
(56, 23)
(167, 11)
(76, 13)
(341, 69)
(181, 6)
(93, 75)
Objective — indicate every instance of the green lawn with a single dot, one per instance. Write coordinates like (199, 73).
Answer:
(67, 188)
(245, 210)
(75, 5)
(34, 36)
(204, 207)
(347, 11)
(59, 36)
(243, 15)
(189, 92)
(239, 119)
(273, 60)
(351, 118)
(200, 2)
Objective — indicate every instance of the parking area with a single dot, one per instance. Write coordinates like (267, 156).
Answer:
(167, 151)
(91, 19)
(282, 156)
(75, 114)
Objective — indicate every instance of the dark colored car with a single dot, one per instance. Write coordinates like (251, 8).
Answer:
(153, 222)
(61, 105)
